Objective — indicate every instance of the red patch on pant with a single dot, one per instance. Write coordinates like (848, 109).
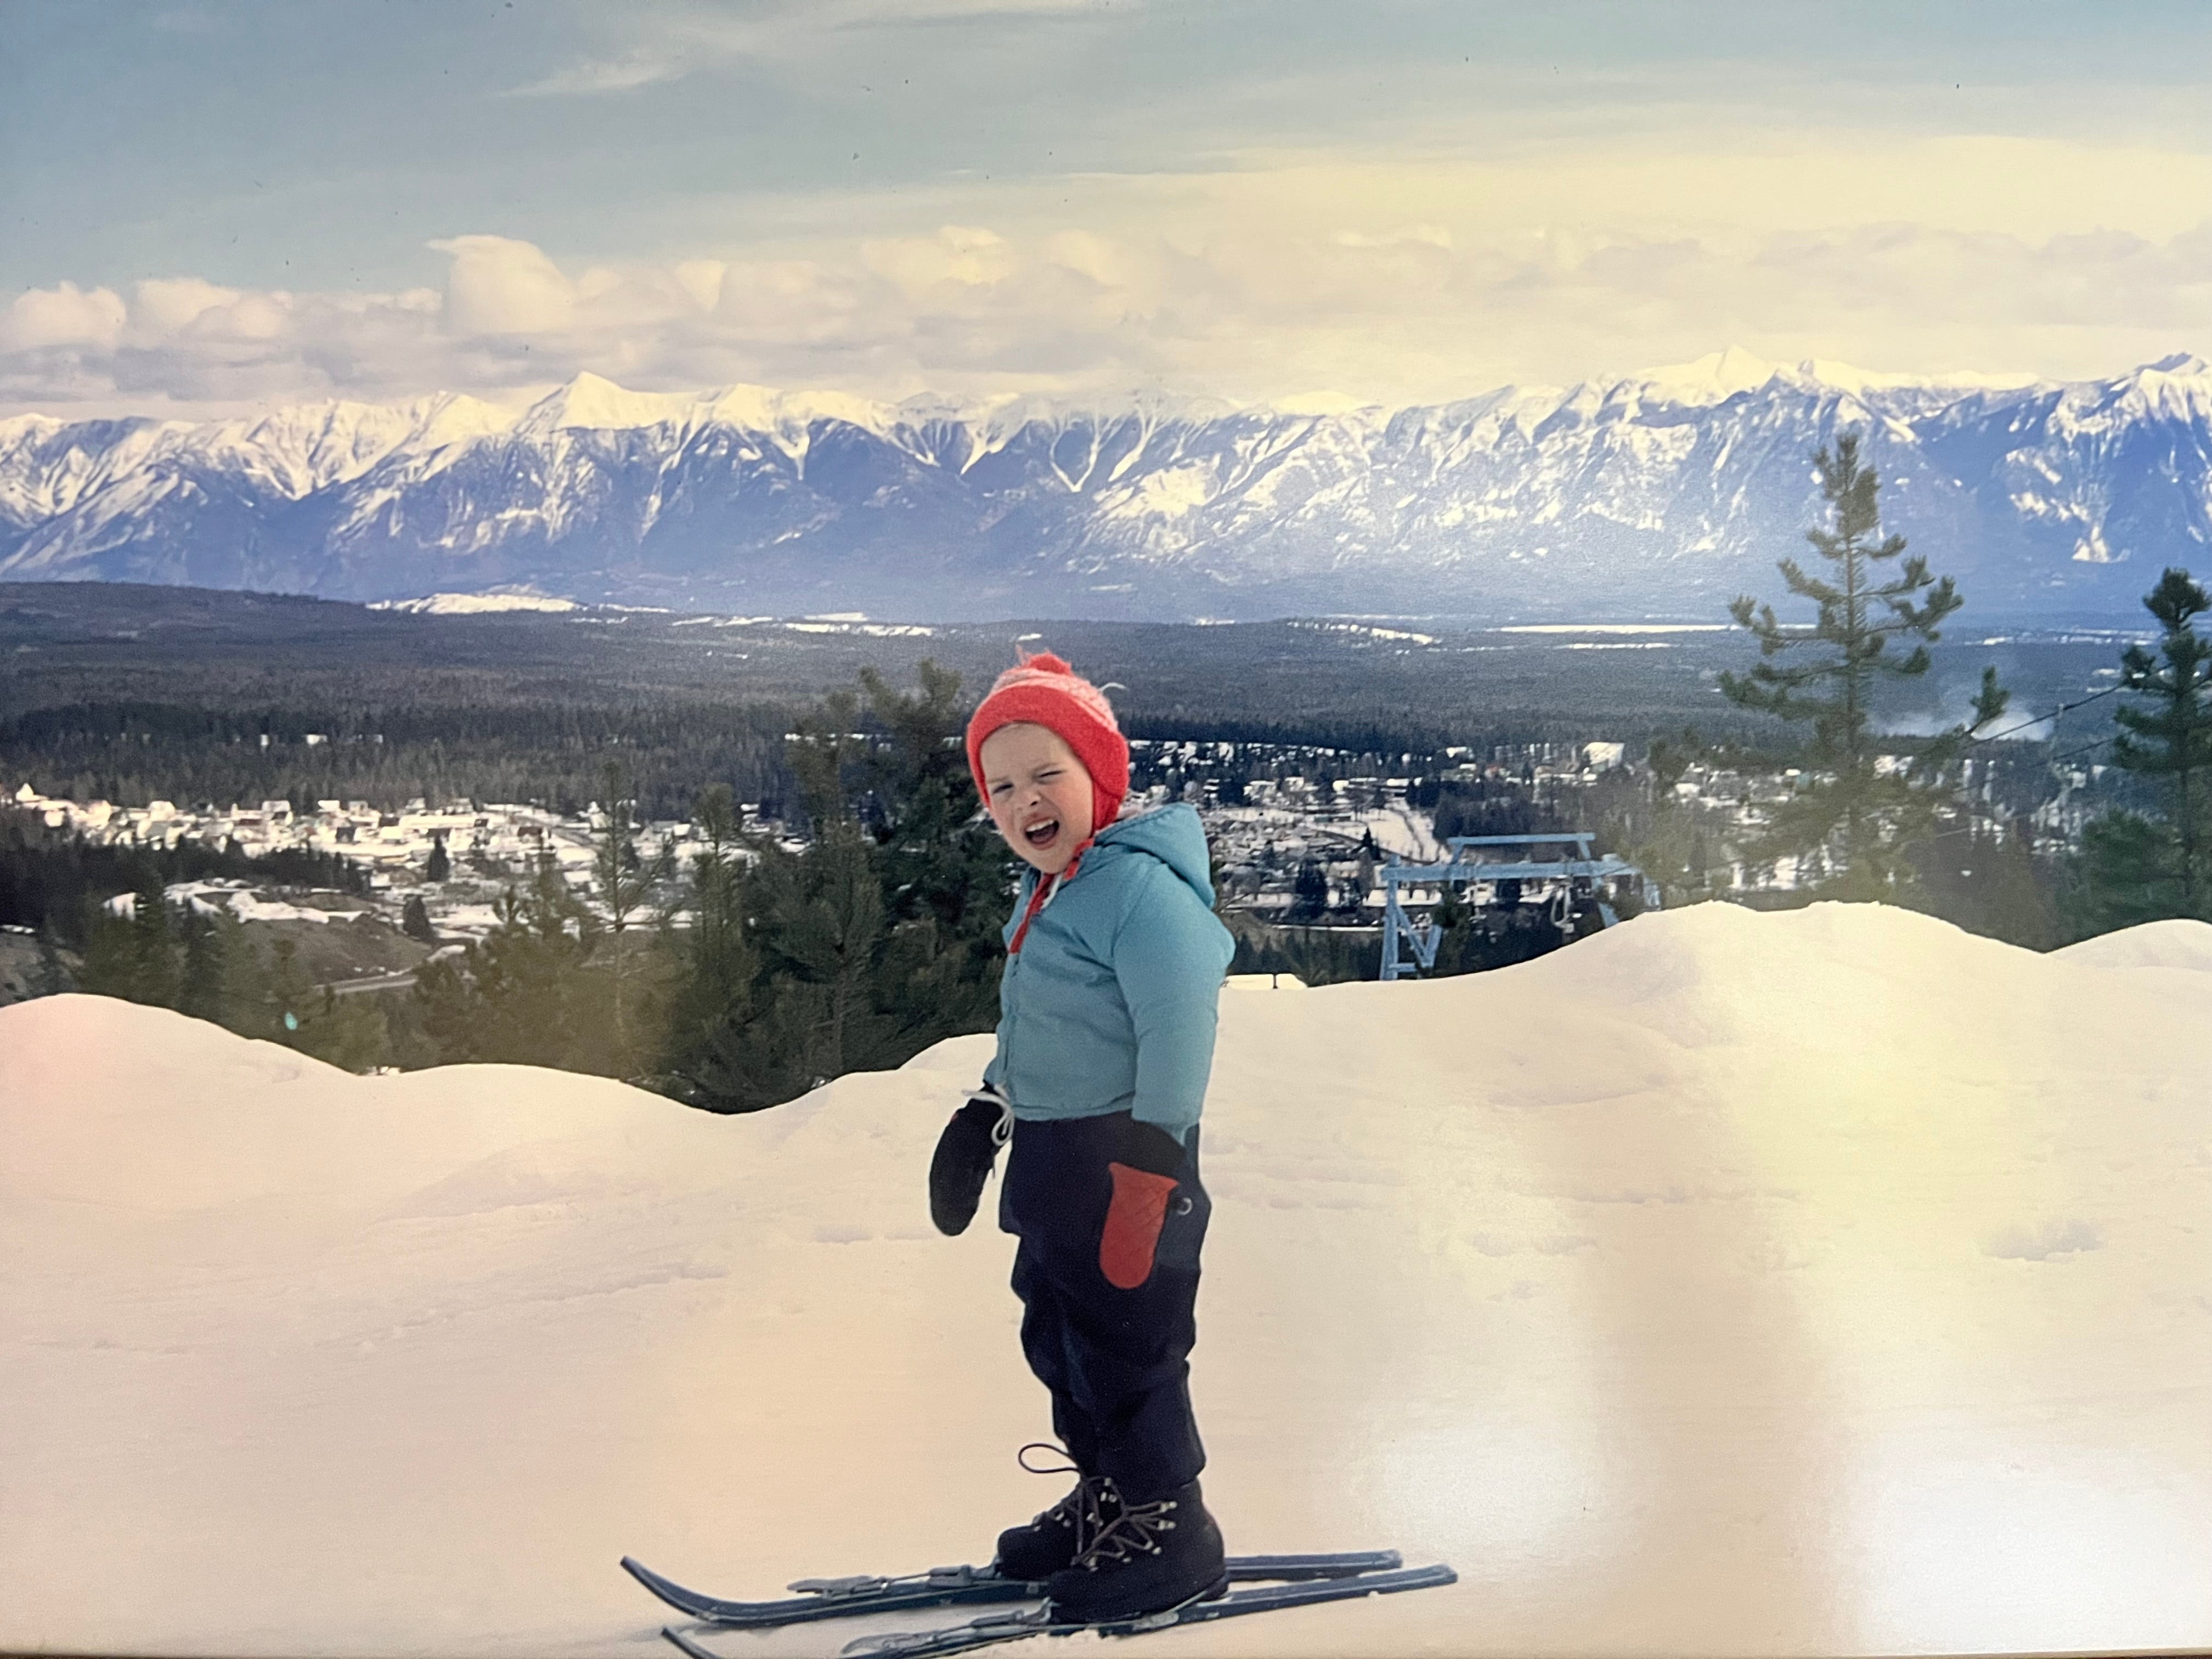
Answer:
(1134, 1220)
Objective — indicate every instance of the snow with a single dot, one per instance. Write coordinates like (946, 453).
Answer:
(467, 604)
(208, 896)
(2175, 388)
(1174, 494)
(1366, 631)
(453, 417)
(763, 408)
(1616, 627)
(1402, 829)
(595, 404)
(1719, 375)
(1847, 378)
(1712, 378)
(1706, 458)
(2185, 944)
(873, 630)
(1826, 1281)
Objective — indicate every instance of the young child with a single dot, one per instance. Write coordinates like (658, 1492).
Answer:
(1115, 961)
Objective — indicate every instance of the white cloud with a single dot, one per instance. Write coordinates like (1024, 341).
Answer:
(1388, 282)
(498, 285)
(1430, 235)
(165, 306)
(669, 48)
(1104, 260)
(61, 316)
(703, 280)
(959, 253)
(625, 72)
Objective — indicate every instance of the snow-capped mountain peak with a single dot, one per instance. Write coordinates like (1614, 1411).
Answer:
(2179, 363)
(2176, 388)
(595, 404)
(1666, 491)
(763, 408)
(451, 417)
(1711, 379)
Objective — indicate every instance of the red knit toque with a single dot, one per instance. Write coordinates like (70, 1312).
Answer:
(1042, 691)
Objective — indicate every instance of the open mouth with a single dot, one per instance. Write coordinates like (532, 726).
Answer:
(1041, 834)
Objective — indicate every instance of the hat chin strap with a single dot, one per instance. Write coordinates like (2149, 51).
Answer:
(1041, 895)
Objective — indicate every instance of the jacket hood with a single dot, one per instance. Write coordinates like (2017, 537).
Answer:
(1172, 834)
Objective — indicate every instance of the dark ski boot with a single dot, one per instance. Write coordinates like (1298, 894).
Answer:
(1149, 1557)
(1055, 1538)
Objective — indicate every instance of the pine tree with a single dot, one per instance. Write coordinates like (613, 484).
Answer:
(200, 993)
(826, 925)
(446, 1008)
(53, 975)
(349, 1032)
(110, 967)
(818, 916)
(626, 884)
(289, 991)
(1669, 759)
(2132, 868)
(520, 995)
(713, 964)
(1669, 846)
(944, 871)
(132, 955)
(1853, 817)
(153, 947)
(879, 939)
(249, 1002)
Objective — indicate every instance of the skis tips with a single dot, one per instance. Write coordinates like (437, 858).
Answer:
(646, 1576)
(667, 1589)
(685, 1644)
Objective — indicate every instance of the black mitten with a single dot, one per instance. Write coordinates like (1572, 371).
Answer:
(965, 1153)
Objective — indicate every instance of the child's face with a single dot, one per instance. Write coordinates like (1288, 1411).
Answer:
(1038, 793)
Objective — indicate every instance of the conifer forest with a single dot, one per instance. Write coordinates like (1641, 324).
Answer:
(837, 899)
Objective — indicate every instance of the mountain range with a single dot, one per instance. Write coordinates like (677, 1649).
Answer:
(1658, 494)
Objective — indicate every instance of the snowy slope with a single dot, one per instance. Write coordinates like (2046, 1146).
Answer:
(1672, 489)
(1827, 1282)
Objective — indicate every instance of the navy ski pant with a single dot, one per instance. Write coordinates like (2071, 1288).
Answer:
(1116, 1361)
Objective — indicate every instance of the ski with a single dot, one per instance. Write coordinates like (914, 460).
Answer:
(963, 1586)
(994, 1628)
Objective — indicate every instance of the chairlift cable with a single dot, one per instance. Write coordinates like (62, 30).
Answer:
(2052, 716)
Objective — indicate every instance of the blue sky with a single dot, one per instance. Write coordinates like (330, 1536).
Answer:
(212, 206)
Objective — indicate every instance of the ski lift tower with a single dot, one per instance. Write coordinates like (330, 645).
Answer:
(1578, 877)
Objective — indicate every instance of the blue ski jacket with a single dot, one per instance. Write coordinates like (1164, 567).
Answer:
(1109, 1005)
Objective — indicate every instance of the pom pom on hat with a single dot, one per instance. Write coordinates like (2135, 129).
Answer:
(1043, 690)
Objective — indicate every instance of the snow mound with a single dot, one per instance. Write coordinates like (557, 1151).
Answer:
(2154, 944)
(1829, 1281)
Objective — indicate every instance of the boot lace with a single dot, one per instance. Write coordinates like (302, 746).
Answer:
(1084, 1509)
(1133, 1531)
